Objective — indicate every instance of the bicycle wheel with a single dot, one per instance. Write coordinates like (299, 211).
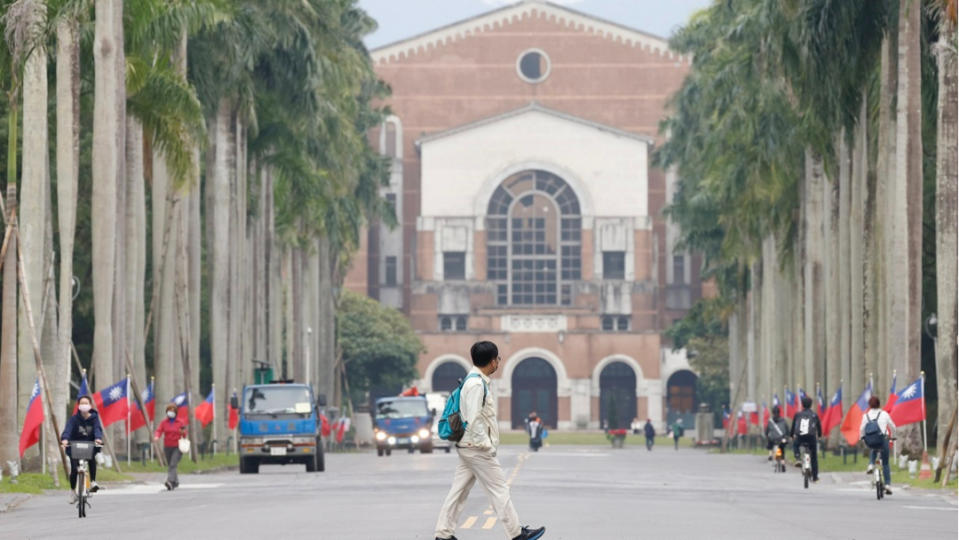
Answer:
(81, 495)
(805, 480)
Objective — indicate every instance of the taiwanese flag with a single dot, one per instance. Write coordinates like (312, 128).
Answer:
(325, 428)
(891, 402)
(342, 428)
(725, 418)
(741, 424)
(754, 418)
(34, 419)
(799, 397)
(833, 414)
(820, 402)
(114, 402)
(234, 417)
(790, 404)
(85, 391)
(204, 411)
(182, 402)
(910, 404)
(765, 414)
(137, 419)
(776, 402)
(850, 424)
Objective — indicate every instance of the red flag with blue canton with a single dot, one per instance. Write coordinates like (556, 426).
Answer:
(725, 417)
(137, 419)
(833, 414)
(741, 424)
(204, 411)
(850, 424)
(182, 402)
(754, 418)
(85, 391)
(790, 405)
(34, 419)
(799, 397)
(114, 403)
(820, 403)
(910, 405)
(765, 414)
(234, 417)
(891, 401)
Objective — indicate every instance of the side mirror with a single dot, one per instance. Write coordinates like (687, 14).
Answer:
(235, 403)
(321, 400)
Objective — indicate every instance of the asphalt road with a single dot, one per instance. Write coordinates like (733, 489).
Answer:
(579, 493)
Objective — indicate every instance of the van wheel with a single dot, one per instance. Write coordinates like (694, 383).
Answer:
(249, 466)
(379, 452)
(448, 449)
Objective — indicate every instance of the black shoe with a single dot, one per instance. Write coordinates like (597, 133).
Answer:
(530, 534)
(169, 486)
(450, 538)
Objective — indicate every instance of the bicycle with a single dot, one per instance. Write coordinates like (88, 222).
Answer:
(779, 461)
(806, 461)
(83, 452)
(879, 479)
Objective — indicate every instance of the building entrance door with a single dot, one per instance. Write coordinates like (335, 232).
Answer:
(534, 389)
(617, 395)
(446, 376)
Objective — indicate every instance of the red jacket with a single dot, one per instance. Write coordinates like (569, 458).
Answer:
(171, 430)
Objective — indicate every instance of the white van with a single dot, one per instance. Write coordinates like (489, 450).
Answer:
(436, 402)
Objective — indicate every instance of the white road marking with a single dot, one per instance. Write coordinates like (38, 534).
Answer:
(148, 489)
(930, 508)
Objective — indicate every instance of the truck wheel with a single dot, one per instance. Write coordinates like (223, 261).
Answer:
(411, 449)
(379, 452)
(320, 458)
(311, 464)
(448, 449)
(249, 466)
(389, 451)
(426, 449)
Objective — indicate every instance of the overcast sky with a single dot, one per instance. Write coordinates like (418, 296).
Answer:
(399, 19)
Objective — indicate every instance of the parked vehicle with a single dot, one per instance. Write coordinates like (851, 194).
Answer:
(436, 401)
(402, 422)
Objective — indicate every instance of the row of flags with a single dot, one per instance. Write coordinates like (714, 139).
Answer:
(113, 404)
(908, 406)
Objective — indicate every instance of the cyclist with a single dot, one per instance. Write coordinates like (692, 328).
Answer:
(82, 426)
(776, 432)
(807, 430)
(886, 425)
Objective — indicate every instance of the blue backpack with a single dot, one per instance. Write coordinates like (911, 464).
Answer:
(872, 434)
(451, 426)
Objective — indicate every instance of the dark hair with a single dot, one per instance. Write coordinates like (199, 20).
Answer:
(483, 352)
(776, 410)
(874, 402)
(806, 402)
(170, 407)
(86, 397)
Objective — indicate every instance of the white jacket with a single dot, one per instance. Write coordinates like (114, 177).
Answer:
(482, 430)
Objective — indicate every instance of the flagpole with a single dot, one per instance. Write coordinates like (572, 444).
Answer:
(128, 419)
(925, 447)
(213, 391)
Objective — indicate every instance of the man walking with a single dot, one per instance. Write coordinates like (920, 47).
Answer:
(477, 452)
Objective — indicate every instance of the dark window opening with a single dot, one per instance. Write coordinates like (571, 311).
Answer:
(453, 323)
(614, 265)
(390, 271)
(679, 269)
(615, 323)
(454, 265)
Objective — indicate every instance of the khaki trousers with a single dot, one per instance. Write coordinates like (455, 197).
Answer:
(477, 464)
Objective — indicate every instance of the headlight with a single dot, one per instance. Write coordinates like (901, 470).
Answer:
(414, 439)
(303, 440)
(391, 440)
(380, 436)
(252, 440)
(424, 433)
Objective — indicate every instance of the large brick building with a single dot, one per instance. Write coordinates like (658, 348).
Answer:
(530, 214)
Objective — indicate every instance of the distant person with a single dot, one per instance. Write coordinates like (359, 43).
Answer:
(678, 431)
(650, 433)
(776, 432)
(807, 430)
(83, 426)
(171, 430)
(636, 425)
(534, 427)
(887, 428)
(477, 452)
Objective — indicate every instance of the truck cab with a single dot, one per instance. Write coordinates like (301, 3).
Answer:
(402, 422)
(279, 423)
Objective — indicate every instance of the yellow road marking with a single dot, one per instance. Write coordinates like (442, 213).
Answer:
(469, 522)
(489, 523)
(488, 511)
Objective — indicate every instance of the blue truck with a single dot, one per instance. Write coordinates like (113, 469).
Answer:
(279, 423)
(402, 422)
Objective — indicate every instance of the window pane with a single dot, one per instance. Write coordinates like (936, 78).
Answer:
(454, 265)
(614, 265)
(679, 269)
(390, 271)
(461, 322)
(445, 324)
(622, 323)
(607, 323)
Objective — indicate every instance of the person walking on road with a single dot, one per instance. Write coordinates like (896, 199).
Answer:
(677, 430)
(534, 427)
(807, 430)
(172, 430)
(477, 452)
(887, 428)
(650, 433)
(83, 426)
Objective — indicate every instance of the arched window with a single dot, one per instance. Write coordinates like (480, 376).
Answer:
(533, 240)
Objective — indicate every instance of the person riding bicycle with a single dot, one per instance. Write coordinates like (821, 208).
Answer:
(82, 426)
(807, 429)
(884, 424)
(776, 432)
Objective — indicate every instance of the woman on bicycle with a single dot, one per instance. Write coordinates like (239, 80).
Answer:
(776, 432)
(888, 429)
(82, 426)
(172, 430)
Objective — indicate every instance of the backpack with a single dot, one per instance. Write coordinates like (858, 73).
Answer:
(872, 435)
(451, 426)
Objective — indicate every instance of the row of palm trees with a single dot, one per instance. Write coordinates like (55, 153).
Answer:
(804, 136)
(234, 133)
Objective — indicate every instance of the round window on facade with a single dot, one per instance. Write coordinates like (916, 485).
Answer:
(533, 66)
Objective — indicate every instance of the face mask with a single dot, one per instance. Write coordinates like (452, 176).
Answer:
(84, 408)
(170, 414)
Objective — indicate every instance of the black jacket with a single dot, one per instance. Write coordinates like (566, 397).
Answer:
(79, 428)
(815, 427)
(772, 433)
(649, 430)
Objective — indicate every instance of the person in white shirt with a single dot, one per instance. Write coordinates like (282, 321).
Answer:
(886, 426)
(477, 452)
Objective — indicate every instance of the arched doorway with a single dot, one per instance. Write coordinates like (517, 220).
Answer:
(447, 375)
(534, 389)
(681, 396)
(617, 395)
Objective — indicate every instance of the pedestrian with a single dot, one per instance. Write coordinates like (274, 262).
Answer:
(636, 425)
(650, 433)
(477, 452)
(172, 430)
(534, 427)
(82, 426)
(677, 430)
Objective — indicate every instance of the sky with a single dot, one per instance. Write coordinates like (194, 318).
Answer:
(399, 19)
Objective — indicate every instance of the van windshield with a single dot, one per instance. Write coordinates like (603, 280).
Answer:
(278, 400)
(401, 408)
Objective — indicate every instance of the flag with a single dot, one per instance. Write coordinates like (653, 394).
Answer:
(234, 417)
(776, 402)
(725, 417)
(754, 418)
(341, 429)
(891, 401)
(910, 405)
(85, 391)
(204, 411)
(800, 395)
(820, 403)
(765, 414)
(34, 419)
(182, 402)
(741, 426)
(833, 415)
(325, 428)
(850, 424)
(137, 419)
(790, 404)
(113, 400)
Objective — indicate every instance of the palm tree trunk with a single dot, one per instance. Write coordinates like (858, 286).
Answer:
(946, 231)
(827, 367)
(815, 343)
(165, 236)
(9, 431)
(135, 252)
(219, 183)
(864, 253)
(882, 217)
(838, 368)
